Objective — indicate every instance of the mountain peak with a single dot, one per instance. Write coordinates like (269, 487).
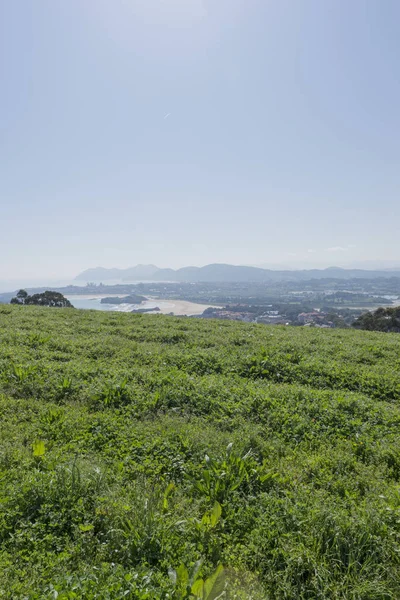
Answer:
(218, 272)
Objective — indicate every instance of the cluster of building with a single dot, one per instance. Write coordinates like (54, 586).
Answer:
(315, 318)
(242, 313)
(272, 317)
(249, 314)
(228, 315)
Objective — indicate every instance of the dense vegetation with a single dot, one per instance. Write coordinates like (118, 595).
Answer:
(134, 446)
(383, 319)
(48, 298)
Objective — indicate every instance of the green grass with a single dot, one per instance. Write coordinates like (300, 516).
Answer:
(133, 446)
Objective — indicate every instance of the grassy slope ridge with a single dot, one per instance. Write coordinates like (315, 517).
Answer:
(101, 412)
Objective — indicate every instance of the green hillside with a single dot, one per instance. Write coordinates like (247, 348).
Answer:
(133, 446)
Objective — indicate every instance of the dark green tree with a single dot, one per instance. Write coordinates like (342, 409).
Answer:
(48, 298)
(383, 319)
(20, 298)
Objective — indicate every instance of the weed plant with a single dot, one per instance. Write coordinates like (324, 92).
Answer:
(150, 457)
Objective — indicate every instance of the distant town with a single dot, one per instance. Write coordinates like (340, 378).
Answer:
(324, 302)
(240, 312)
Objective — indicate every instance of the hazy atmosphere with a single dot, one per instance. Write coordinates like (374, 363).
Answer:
(199, 299)
(186, 132)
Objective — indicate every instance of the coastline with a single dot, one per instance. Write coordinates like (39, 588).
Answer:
(178, 307)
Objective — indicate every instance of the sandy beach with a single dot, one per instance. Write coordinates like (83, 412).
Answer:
(178, 307)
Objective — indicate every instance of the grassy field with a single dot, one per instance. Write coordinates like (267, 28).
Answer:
(134, 446)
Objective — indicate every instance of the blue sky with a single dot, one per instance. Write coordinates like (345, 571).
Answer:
(181, 132)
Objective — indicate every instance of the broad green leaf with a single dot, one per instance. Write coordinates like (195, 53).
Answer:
(182, 576)
(167, 493)
(85, 528)
(206, 519)
(39, 448)
(169, 489)
(215, 514)
(195, 570)
(215, 584)
(198, 588)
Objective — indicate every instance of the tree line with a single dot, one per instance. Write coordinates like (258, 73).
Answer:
(48, 298)
(382, 319)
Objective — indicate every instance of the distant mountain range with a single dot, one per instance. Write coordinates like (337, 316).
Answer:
(226, 273)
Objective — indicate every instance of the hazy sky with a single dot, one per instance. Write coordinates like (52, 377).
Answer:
(193, 131)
